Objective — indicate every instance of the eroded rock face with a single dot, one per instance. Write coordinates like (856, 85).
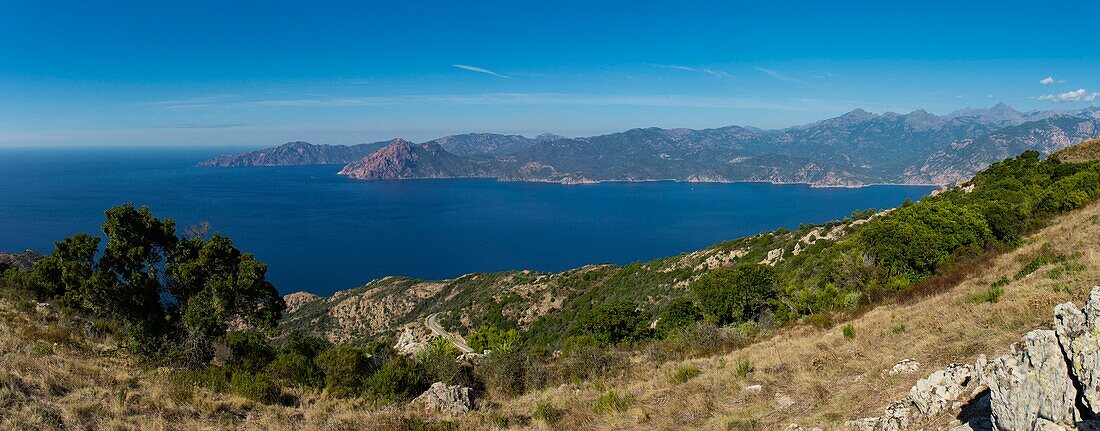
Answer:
(1032, 383)
(1050, 381)
(1079, 336)
(452, 400)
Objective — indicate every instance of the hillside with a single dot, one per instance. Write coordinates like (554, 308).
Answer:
(815, 376)
(535, 301)
(296, 153)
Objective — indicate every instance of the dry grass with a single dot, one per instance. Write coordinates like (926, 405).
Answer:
(832, 378)
(1083, 152)
(55, 377)
(810, 376)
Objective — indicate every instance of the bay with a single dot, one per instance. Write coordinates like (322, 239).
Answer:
(320, 232)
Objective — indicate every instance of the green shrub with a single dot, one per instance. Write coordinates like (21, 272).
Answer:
(398, 379)
(293, 368)
(586, 362)
(493, 338)
(614, 322)
(547, 412)
(256, 387)
(1039, 261)
(346, 368)
(991, 295)
(898, 328)
(438, 364)
(738, 294)
(742, 367)
(249, 351)
(504, 372)
(849, 331)
(684, 373)
(679, 313)
(305, 345)
(612, 401)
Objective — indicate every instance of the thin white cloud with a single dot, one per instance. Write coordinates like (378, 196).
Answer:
(1077, 95)
(720, 74)
(675, 67)
(480, 70)
(779, 75)
(1050, 80)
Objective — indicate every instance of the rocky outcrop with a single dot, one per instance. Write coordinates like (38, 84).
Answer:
(1050, 381)
(1031, 384)
(409, 344)
(401, 159)
(23, 260)
(451, 400)
(295, 301)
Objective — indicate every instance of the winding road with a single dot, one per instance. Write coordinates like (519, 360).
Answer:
(433, 325)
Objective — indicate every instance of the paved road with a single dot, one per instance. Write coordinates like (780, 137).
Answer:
(438, 330)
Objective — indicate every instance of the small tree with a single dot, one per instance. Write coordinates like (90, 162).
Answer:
(163, 288)
(614, 322)
(346, 369)
(730, 295)
(678, 313)
(494, 338)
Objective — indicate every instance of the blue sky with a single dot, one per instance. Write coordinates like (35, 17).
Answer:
(266, 72)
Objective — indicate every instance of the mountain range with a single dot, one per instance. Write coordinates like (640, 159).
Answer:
(855, 149)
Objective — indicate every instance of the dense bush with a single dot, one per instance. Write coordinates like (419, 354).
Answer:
(437, 364)
(249, 351)
(346, 369)
(257, 387)
(679, 313)
(493, 338)
(737, 294)
(614, 322)
(398, 379)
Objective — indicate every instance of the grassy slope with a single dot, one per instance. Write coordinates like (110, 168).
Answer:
(833, 379)
(75, 385)
(1085, 151)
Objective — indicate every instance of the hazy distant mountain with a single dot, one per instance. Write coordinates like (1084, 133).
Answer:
(853, 149)
(297, 153)
(490, 143)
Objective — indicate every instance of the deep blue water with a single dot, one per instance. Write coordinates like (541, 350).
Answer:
(321, 232)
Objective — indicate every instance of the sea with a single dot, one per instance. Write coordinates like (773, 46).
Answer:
(320, 232)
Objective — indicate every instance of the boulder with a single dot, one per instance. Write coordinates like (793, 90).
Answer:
(935, 394)
(783, 402)
(752, 390)
(905, 366)
(895, 417)
(452, 400)
(409, 344)
(1032, 383)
